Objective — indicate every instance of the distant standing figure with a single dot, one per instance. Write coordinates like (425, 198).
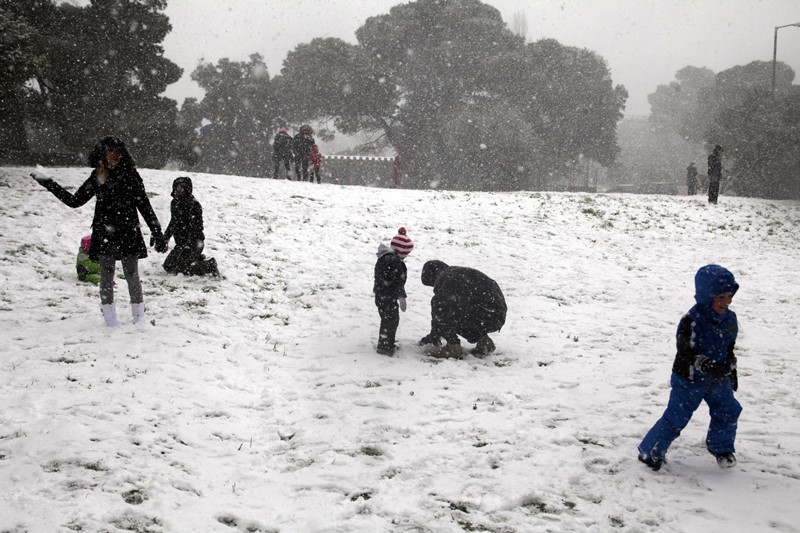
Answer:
(282, 151)
(186, 225)
(301, 146)
(691, 179)
(315, 160)
(116, 235)
(396, 171)
(714, 173)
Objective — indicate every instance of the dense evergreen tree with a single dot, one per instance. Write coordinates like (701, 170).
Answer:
(676, 106)
(20, 58)
(462, 99)
(103, 72)
(240, 107)
(566, 96)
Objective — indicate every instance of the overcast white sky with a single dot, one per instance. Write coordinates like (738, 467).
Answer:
(644, 41)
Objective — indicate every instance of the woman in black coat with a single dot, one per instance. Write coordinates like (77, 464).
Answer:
(116, 235)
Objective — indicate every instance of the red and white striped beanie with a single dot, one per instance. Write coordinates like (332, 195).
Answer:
(401, 244)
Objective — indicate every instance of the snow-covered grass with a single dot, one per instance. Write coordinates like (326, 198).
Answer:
(256, 402)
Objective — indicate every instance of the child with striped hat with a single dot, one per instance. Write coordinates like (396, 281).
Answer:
(389, 288)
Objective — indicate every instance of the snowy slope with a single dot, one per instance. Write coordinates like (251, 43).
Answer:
(256, 402)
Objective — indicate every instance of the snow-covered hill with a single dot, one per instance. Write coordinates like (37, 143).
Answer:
(256, 402)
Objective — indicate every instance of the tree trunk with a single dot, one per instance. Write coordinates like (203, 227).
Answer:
(13, 139)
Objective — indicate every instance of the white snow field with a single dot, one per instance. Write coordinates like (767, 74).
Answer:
(256, 402)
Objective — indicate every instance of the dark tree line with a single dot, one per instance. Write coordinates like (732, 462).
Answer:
(78, 73)
(464, 101)
(240, 105)
(737, 108)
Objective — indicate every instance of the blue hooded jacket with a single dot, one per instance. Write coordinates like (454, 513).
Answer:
(702, 330)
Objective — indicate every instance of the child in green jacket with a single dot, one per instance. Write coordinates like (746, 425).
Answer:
(88, 269)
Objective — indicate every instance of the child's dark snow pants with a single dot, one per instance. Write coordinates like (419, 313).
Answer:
(389, 312)
(684, 399)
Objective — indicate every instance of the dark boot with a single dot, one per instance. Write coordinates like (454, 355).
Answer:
(655, 464)
(385, 349)
(211, 267)
(448, 351)
(725, 460)
(484, 346)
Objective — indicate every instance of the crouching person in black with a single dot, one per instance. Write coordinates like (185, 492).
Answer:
(186, 225)
(465, 302)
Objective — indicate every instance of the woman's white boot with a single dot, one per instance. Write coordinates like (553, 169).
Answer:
(138, 313)
(110, 315)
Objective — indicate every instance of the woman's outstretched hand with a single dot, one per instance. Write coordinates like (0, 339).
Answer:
(40, 175)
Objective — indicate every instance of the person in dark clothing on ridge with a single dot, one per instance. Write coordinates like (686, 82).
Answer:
(301, 146)
(389, 288)
(714, 173)
(116, 234)
(396, 174)
(186, 225)
(282, 151)
(465, 302)
(691, 179)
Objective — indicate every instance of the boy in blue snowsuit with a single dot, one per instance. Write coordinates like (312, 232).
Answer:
(704, 369)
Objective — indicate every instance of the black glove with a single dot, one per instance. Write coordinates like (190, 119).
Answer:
(430, 339)
(734, 380)
(159, 242)
(713, 368)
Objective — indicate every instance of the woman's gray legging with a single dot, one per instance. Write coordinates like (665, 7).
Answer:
(130, 266)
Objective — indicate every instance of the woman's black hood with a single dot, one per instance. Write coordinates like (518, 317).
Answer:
(98, 153)
(186, 183)
(431, 271)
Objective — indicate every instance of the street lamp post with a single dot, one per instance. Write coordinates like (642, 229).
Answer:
(775, 51)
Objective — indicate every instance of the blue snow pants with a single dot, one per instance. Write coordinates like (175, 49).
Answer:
(684, 399)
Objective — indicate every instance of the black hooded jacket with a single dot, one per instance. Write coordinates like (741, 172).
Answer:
(282, 146)
(186, 216)
(301, 146)
(390, 275)
(465, 302)
(120, 197)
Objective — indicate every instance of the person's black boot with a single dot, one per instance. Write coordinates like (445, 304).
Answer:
(484, 347)
(725, 460)
(385, 350)
(655, 464)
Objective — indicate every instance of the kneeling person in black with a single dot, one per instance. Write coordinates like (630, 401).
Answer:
(186, 225)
